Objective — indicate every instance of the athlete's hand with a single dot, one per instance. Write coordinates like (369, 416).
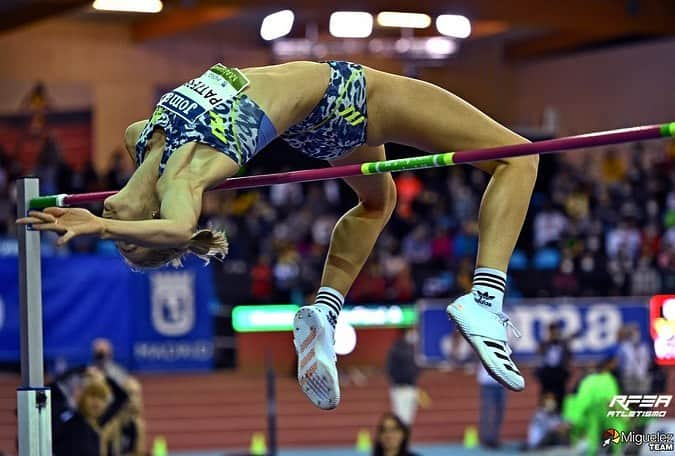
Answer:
(68, 222)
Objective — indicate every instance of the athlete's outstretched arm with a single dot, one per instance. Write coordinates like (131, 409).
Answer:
(181, 205)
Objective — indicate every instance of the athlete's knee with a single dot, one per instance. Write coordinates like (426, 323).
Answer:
(527, 165)
(382, 202)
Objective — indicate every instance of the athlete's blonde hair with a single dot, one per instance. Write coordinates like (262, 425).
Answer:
(206, 244)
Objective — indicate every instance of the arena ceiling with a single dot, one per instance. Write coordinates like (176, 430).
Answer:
(551, 27)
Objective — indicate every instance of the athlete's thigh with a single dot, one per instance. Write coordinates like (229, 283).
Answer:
(377, 190)
(430, 118)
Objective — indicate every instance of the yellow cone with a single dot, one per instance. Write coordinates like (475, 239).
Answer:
(159, 447)
(258, 445)
(470, 437)
(363, 441)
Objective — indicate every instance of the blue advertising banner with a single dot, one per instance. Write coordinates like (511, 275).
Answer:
(592, 324)
(156, 321)
(173, 328)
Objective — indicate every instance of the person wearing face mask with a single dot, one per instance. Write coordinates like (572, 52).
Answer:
(102, 354)
(547, 428)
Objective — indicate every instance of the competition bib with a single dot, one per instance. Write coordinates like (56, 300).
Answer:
(202, 94)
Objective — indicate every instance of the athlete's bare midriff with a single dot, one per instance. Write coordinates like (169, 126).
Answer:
(287, 92)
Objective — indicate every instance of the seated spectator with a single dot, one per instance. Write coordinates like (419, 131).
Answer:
(79, 431)
(417, 245)
(646, 279)
(613, 167)
(549, 225)
(125, 436)
(625, 238)
(392, 437)
(547, 428)
(565, 282)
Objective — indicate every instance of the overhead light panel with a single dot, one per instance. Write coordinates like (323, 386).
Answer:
(131, 6)
(453, 25)
(277, 25)
(403, 20)
(440, 47)
(350, 24)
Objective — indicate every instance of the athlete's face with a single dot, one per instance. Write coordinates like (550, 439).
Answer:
(120, 208)
(139, 257)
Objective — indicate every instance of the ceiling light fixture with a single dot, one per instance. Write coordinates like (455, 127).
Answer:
(131, 6)
(277, 25)
(350, 24)
(403, 20)
(453, 25)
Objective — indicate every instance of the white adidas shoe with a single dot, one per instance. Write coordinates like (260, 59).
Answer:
(486, 332)
(313, 337)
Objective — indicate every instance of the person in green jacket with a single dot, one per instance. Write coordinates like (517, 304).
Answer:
(587, 409)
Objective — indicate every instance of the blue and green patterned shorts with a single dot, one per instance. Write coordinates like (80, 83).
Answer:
(338, 123)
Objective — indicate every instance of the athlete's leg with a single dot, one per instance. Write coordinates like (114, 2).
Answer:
(353, 239)
(425, 116)
(357, 231)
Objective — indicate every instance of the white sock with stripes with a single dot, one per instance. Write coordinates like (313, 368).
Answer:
(488, 288)
(332, 300)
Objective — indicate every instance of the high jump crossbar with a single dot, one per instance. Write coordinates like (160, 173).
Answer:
(405, 164)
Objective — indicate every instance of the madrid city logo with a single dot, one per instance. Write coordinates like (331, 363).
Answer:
(173, 302)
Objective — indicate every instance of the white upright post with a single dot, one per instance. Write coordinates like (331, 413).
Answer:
(33, 399)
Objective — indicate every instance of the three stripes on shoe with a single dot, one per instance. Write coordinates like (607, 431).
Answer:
(500, 351)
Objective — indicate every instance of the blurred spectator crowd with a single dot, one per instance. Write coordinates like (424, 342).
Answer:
(601, 223)
(97, 409)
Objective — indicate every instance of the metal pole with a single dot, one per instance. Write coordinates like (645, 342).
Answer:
(33, 401)
(271, 405)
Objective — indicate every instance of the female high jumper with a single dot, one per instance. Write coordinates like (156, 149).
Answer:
(203, 131)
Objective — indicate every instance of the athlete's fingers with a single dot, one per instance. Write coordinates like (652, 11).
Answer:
(49, 227)
(63, 240)
(44, 216)
(55, 211)
(28, 220)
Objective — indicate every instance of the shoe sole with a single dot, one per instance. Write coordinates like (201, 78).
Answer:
(492, 373)
(317, 375)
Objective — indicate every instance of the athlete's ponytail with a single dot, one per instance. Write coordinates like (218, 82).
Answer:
(207, 244)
